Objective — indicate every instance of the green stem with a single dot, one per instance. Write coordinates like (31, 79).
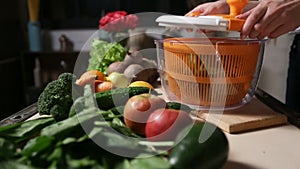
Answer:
(102, 123)
(157, 144)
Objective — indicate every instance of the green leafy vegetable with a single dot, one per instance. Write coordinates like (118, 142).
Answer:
(37, 145)
(21, 131)
(104, 53)
(84, 102)
(11, 164)
(7, 149)
(149, 163)
(71, 126)
(74, 142)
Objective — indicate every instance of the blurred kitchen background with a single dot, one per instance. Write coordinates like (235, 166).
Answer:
(65, 27)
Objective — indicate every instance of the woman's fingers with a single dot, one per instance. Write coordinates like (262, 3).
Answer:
(217, 7)
(271, 18)
(253, 17)
(194, 13)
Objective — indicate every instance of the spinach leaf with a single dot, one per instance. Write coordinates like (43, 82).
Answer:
(37, 145)
(150, 162)
(7, 149)
(71, 126)
(25, 130)
(82, 162)
(12, 164)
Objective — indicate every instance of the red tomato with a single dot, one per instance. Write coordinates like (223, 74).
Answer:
(165, 124)
(137, 110)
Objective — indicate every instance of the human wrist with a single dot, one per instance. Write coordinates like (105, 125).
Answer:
(250, 5)
(224, 5)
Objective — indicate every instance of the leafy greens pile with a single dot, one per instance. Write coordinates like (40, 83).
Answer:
(45, 143)
(104, 53)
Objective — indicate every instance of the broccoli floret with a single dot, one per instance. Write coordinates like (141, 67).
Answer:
(56, 99)
(67, 78)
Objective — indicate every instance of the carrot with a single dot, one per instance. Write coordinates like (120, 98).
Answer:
(90, 76)
(103, 86)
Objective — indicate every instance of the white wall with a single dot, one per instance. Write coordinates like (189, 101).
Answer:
(275, 66)
(79, 37)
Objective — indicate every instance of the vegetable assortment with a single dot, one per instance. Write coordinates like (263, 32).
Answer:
(45, 143)
(110, 57)
(101, 131)
(136, 67)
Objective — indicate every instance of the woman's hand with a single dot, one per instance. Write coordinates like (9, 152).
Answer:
(271, 18)
(217, 7)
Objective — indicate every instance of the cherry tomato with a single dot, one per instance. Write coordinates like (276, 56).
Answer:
(138, 108)
(165, 124)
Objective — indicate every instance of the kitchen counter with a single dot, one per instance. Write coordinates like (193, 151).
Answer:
(276, 147)
(272, 148)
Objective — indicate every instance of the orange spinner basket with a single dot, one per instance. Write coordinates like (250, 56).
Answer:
(210, 72)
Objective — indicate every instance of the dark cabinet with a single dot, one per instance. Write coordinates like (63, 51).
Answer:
(63, 14)
(39, 68)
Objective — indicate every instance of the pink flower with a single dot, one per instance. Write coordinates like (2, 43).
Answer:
(118, 21)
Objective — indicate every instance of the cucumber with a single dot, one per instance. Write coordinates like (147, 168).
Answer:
(119, 96)
(211, 153)
(72, 111)
(179, 106)
(117, 110)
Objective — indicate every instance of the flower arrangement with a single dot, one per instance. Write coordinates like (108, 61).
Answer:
(118, 21)
(111, 46)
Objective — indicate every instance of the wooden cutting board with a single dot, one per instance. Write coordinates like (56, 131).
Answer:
(252, 116)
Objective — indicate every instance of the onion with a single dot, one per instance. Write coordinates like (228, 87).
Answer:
(116, 67)
(132, 70)
(148, 64)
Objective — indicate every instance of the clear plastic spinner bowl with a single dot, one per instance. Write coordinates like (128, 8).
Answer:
(210, 72)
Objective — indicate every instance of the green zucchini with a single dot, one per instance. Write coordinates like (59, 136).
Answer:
(72, 111)
(179, 106)
(119, 110)
(208, 153)
(119, 96)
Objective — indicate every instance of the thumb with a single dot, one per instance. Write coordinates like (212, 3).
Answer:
(194, 13)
